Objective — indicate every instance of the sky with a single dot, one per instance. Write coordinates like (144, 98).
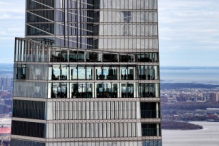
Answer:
(188, 31)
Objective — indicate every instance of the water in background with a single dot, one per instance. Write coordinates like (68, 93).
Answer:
(208, 136)
(190, 75)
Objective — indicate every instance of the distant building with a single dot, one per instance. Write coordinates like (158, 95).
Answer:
(212, 109)
(2, 101)
(5, 82)
(164, 99)
(5, 136)
(193, 99)
(182, 99)
(5, 131)
(214, 97)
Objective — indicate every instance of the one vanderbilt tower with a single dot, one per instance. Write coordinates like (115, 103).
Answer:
(87, 74)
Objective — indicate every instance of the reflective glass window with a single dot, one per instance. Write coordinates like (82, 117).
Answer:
(59, 90)
(40, 16)
(72, 56)
(89, 73)
(81, 90)
(55, 56)
(80, 56)
(47, 41)
(127, 73)
(31, 30)
(64, 56)
(75, 56)
(110, 58)
(56, 72)
(93, 57)
(29, 109)
(30, 129)
(15, 142)
(148, 110)
(127, 16)
(106, 90)
(106, 73)
(127, 90)
(147, 57)
(74, 72)
(40, 4)
(20, 72)
(37, 71)
(149, 129)
(64, 72)
(126, 58)
(38, 89)
(148, 72)
(81, 73)
(148, 90)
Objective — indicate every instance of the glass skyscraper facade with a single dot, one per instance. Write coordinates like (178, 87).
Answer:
(87, 74)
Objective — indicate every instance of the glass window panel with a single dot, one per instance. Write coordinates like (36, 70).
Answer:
(55, 56)
(81, 73)
(64, 56)
(74, 72)
(106, 90)
(37, 72)
(22, 89)
(127, 90)
(147, 57)
(149, 130)
(93, 57)
(72, 56)
(40, 16)
(64, 72)
(29, 109)
(20, 72)
(80, 56)
(106, 73)
(56, 72)
(110, 58)
(127, 73)
(59, 90)
(148, 110)
(148, 90)
(89, 73)
(81, 90)
(32, 30)
(126, 58)
(148, 72)
(15, 142)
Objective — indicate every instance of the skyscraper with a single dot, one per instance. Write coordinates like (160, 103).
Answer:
(87, 74)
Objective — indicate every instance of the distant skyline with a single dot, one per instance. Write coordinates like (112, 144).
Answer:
(189, 31)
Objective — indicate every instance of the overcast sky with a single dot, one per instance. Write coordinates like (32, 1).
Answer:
(188, 31)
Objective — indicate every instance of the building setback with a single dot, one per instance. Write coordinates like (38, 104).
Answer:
(87, 74)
